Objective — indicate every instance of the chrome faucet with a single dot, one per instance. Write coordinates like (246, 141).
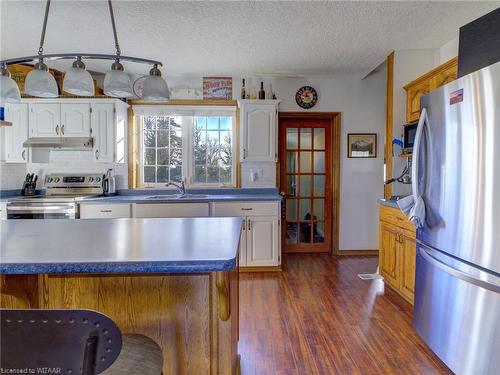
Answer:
(181, 186)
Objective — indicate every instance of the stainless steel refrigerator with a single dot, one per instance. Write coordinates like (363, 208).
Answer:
(457, 286)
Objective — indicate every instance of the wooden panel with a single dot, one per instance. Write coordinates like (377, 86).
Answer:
(389, 121)
(396, 217)
(408, 250)
(388, 260)
(413, 95)
(447, 75)
(19, 291)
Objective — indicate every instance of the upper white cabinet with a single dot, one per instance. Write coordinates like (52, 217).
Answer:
(59, 120)
(103, 131)
(14, 136)
(258, 122)
(45, 120)
(75, 120)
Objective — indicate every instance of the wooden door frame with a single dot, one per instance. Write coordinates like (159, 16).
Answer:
(335, 122)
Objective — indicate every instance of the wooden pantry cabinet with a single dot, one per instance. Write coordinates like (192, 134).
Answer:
(437, 77)
(397, 251)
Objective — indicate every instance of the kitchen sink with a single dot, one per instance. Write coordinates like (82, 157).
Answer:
(178, 196)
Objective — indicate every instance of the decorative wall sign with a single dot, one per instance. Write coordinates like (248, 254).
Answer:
(362, 145)
(217, 88)
(306, 97)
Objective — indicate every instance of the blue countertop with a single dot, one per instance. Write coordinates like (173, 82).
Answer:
(194, 245)
(169, 196)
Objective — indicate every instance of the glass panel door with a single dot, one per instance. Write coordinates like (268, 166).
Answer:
(305, 182)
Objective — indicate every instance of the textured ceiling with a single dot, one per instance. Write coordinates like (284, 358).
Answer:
(208, 38)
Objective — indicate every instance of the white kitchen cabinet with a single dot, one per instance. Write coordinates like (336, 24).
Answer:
(105, 211)
(258, 122)
(149, 210)
(260, 243)
(14, 136)
(75, 120)
(45, 120)
(103, 131)
(3, 210)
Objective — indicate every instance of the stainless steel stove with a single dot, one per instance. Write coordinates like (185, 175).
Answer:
(63, 191)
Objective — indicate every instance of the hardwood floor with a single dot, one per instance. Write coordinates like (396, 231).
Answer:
(318, 317)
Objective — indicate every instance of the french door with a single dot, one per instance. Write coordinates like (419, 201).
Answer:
(306, 183)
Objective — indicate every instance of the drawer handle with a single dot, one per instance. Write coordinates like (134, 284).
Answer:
(247, 209)
(106, 210)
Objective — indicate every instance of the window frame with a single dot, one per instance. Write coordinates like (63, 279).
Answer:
(187, 169)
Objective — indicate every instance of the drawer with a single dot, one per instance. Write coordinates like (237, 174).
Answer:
(145, 210)
(271, 208)
(104, 211)
(396, 217)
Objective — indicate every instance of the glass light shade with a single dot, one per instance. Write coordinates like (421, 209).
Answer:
(117, 84)
(41, 83)
(78, 81)
(155, 89)
(9, 92)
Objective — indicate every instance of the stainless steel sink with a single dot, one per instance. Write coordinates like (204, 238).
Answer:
(178, 196)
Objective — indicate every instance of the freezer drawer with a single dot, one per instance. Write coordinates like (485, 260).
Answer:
(457, 312)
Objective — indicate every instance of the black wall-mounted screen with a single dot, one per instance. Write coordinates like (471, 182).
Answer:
(479, 43)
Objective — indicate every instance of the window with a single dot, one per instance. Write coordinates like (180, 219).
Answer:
(197, 148)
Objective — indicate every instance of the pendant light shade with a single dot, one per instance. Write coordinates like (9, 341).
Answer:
(39, 82)
(117, 82)
(78, 81)
(9, 92)
(155, 88)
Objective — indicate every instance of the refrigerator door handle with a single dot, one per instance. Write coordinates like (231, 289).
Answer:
(416, 151)
(457, 273)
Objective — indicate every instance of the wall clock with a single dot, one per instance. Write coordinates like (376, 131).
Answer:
(306, 97)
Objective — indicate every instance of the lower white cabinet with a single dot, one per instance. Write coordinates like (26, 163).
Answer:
(105, 211)
(3, 210)
(145, 210)
(260, 236)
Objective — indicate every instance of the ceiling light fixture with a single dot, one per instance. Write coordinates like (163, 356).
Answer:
(9, 92)
(39, 82)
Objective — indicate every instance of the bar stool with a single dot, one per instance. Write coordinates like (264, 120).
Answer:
(72, 342)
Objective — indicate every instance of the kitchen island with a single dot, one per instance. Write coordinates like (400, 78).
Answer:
(174, 280)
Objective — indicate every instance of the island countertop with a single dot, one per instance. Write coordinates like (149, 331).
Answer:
(170, 245)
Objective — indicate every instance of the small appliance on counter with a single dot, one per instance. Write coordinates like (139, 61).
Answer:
(29, 185)
(109, 183)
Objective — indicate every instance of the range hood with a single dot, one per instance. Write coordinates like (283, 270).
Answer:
(59, 142)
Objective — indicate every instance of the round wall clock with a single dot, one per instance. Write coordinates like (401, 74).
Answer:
(306, 97)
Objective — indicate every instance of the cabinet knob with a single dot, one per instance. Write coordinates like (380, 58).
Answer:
(62, 130)
(246, 209)
(97, 154)
(244, 153)
(57, 129)
(23, 155)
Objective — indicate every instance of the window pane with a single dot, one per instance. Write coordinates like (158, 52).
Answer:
(319, 138)
(149, 174)
(162, 122)
(162, 156)
(319, 185)
(291, 209)
(200, 174)
(291, 162)
(305, 232)
(319, 232)
(212, 174)
(176, 174)
(149, 156)
(305, 162)
(291, 233)
(319, 162)
(149, 138)
(292, 137)
(149, 122)
(305, 138)
(305, 186)
(212, 123)
(225, 123)
(291, 185)
(162, 138)
(225, 174)
(319, 209)
(200, 122)
(162, 174)
(305, 209)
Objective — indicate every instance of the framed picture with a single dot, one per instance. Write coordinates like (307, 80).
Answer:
(362, 145)
(217, 88)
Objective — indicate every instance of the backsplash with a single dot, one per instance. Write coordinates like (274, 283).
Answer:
(258, 174)
(12, 176)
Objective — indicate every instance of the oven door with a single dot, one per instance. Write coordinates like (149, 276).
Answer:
(41, 210)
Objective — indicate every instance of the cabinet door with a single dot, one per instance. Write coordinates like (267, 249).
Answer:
(102, 129)
(262, 241)
(14, 136)
(444, 76)
(388, 257)
(407, 265)
(75, 119)
(104, 211)
(258, 132)
(170, 210)
(243, 244)
(45, 120)
(414, 93)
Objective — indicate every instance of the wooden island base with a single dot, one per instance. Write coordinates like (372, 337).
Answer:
(193, 317)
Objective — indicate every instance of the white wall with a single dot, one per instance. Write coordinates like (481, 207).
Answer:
(446, 52)
(362, 107)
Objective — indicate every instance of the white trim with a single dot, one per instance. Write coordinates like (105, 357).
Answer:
(183, 110)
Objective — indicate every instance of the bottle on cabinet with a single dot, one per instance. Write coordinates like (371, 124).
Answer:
(243, 90)
(262, 93)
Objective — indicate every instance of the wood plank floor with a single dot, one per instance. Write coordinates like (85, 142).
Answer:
(318, 317)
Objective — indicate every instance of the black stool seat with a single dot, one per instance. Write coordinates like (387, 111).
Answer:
(139, 355)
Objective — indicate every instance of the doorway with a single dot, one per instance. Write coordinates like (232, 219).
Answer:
(309, 181)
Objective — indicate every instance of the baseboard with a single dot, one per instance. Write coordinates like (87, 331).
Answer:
(358, 252)
(260, 269)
